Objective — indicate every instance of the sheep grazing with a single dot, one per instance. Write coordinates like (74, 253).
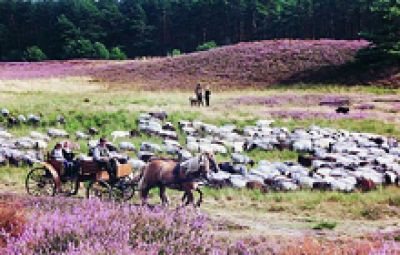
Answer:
(81, 135)
(21, 118)
(53, 132)
(93, 131)
(127, 146)
(12, 121)
(5, 112)
(151, 147)
(122, 134)
(161, 115)
(255, 185)
(33, 119)
(61, 120)
(39, 136)
(168, 126)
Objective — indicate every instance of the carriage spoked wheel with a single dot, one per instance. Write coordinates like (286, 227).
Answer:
(99, 189)
(40, 182)
(123, 190)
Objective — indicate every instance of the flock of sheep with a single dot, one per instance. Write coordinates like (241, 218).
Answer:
(330, 159)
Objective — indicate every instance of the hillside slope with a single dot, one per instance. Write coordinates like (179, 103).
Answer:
(241, 65)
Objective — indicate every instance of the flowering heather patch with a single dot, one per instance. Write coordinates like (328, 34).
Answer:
(294, 99)
(75, 226)
(72, 226)
(48, 69)
(264, 62)
(395, 107)
(377, 245)
(364, 107)
(304, 115)
(334, 100)
(12, 221)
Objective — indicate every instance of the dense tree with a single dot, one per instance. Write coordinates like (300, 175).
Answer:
(70, 28)
(386, 38)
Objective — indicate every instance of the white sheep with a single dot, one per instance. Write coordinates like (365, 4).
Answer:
(53, 132)
(81, 135)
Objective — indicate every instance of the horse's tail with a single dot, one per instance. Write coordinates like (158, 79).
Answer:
(140, 178)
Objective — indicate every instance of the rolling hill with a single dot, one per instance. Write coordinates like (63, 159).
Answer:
(244, 65)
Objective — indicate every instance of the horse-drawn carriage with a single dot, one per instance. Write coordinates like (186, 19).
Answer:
(51, 178)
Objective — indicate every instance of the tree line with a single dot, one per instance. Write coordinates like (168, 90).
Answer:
(116, 29)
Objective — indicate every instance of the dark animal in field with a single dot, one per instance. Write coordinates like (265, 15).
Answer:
(365, 184)
(343, 110)
(86, 100)
(93, 131)
(12, 121)
(34, 119)
(226, 167)
(254, 185)
(391, 178)
(61, 120)
(305, 161)
(168, 126)
(170, 173)
(194, 101)
(321, 185)
(377, 140)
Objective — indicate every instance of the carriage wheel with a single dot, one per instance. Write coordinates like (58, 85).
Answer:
(99, 189)
(123, 191)
(40, 182)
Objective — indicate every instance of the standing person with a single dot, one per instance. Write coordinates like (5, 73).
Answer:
(207, 94)
(199, 94)
(101, 155)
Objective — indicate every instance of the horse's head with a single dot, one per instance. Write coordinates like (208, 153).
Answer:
(207, 164)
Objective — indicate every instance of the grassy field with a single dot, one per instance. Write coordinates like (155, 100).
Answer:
(281, 214)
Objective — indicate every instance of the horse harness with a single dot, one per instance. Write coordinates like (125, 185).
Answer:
(180, 167)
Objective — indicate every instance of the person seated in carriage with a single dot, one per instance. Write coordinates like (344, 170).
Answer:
(101, 155)
(61, 153)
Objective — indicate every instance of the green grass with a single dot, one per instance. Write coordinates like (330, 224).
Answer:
(369, 206)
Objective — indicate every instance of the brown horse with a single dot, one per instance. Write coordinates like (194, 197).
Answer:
(183, 176)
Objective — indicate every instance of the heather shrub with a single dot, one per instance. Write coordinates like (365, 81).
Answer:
(34, 53)
(100, 51)
(117, 54)
(12, 222)
(81, 48)
(207, 46)
(71, 226)
(175, 52)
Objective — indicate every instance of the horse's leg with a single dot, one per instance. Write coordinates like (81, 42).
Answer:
(144, 193)
(163, 195)
(200, 198)
(190, 197)
(184, 197)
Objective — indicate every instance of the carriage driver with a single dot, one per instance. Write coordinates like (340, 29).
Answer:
(101, 155)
